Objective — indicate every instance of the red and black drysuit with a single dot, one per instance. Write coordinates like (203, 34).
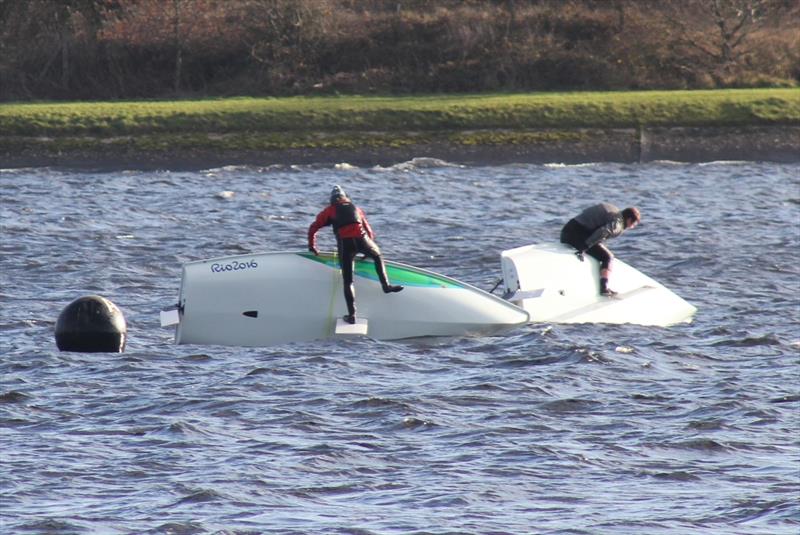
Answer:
(353, 236)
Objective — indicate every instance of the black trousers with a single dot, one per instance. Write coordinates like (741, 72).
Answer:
(348, 249)
(575, 234)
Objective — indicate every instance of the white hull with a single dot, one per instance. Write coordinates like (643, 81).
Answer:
(273, 298)
(553, 285)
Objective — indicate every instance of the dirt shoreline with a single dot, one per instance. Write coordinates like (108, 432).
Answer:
(780, 143)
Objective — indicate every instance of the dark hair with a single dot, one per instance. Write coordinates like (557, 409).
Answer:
(631, 213)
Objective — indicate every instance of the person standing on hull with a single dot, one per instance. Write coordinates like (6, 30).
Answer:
(353, 235)
(588, 231)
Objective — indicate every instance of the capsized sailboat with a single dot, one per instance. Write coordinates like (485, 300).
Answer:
(272, 298)
(553, 285)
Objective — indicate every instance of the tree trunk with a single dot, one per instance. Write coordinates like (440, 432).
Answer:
(176, 79)
(64, 41)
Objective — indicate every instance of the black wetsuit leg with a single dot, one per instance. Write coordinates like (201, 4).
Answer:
(575, 234)
(348, 247)
(370, 249)
(602, 254)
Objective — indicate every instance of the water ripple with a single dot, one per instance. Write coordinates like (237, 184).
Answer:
(547, 429)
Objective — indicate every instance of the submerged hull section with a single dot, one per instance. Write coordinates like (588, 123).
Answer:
(272, 298)
(553, 285)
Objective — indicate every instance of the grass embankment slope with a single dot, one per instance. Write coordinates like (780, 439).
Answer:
(358, 122)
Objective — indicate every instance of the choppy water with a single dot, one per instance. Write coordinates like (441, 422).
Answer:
(563, 429)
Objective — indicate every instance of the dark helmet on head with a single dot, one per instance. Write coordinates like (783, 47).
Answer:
(337, 193)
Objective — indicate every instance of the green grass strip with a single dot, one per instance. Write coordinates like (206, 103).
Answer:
(300, 116)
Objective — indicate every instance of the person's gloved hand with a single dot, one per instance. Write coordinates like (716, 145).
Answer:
(579, 254)
(314, 250)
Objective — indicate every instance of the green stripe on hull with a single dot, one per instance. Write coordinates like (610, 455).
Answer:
(397, 274)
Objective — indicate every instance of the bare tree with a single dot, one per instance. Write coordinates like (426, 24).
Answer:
(719, 29)
(182, 29)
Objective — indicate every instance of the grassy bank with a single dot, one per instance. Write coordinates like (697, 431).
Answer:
(352, 122)
(353, 113)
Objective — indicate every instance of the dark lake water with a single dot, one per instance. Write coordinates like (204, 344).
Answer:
(556, 429)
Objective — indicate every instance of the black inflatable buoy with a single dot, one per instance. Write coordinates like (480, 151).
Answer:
(91, 324)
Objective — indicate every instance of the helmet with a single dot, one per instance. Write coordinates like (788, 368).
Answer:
(337, 193)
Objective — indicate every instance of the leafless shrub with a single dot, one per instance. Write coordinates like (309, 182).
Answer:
(159, 48)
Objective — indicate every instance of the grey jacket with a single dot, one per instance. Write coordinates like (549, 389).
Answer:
(604, 220)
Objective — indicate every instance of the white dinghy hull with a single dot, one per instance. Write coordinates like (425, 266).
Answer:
(273, 298)
(553, 285)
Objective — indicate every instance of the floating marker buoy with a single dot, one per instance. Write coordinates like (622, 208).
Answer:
(91, 324)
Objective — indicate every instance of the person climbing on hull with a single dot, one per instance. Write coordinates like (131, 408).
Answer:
(353, 235)
(588, 231)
